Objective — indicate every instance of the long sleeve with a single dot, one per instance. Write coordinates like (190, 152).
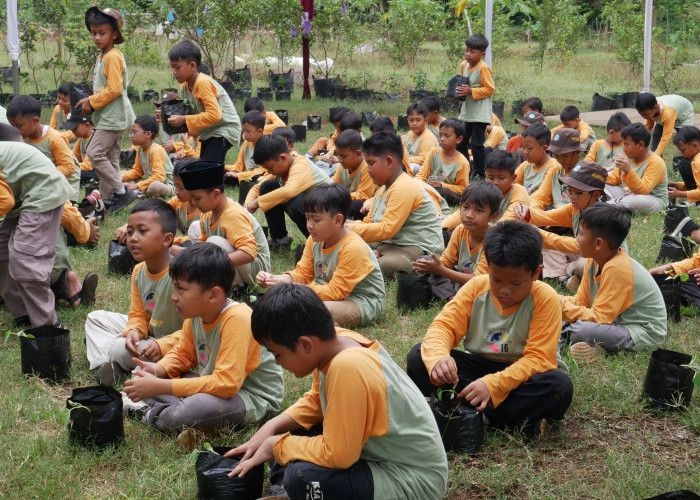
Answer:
(686, 265)
(300, 178)
(514, 143)
(593, 151)
(462, 177)
(519, 196)
(205, 92)
(495, 137)
(652, 176)
(73, 222)
(239, 166)
(450, 256)
(62, 154)
(367, 187)
(488, 88)
(561, 216)
(239, 230)
(566, 244)
(668, 122)
(85, 163)
(427, 143)
(307, 411)
(542, 198)
(272, 122)
(424, 172)
(7, 199)
(136, 171)
(168, 342)
(614, 178)
(304, 270)
(157, 159)
(137, 314)
(451, 221)
(254, 192)
(114, 66)
(693, 195)
(353, 266)
(53, 122)
(520, 173)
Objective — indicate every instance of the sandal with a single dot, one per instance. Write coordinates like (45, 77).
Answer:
(87, 293)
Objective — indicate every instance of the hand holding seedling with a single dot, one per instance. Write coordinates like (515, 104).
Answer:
(661, 269)
(366, 206)
(522, 212)
(432, 266)
(85, 106)
(147, 382)
(121, 234)
(696, 274)
(477, 394)
(169, 148)
(132, 343)
(94, 230)
(444, 372)
(252, 207)
(152, 352)
(176, 120)
(268, 280)
(622, 163)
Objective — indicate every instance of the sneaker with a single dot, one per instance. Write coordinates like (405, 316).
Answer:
(573, 283)
(120, 201)
(281, 243)
(99, 212)
(110, 374)
(586, 353)
(675, 220)
(134, 410)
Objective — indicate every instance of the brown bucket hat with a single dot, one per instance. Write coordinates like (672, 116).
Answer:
(167, 96)
(109, 12)
(586, 176)
(565, 140)
(530, 118)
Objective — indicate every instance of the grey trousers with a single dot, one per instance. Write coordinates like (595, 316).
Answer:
(394, 258)
(612, 338)
(244, 273)
(169, 412)
(104, 341)
(103, 150)
(636, 203)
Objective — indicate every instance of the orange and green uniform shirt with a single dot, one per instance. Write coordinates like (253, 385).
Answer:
(477, 107)
(648, 177)
(686, 265)
(245, 166)
(497, 138)
(523, 337)
(272, 121)
(402, 215)
(418, 146)
(531, 176)
(515, 196)
(583, 128)
(622, 292)
(551, 192)
(55, 147)
(460, 257)
(605, 154)
(359, 183)
(73, 222)
(110, 103)
(454, 174)
(347, 270)
(58, 118)
(229, 361)
(215, 114)
(693, 196)
(186, 215)
(80, 153)
(676, 112)
(370, 410)
(150, 166)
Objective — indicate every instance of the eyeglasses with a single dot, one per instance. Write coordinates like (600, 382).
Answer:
(573, 194)
(134, 132)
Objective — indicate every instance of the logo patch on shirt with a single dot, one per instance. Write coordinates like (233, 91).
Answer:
(322, 270)
(498, 340)
(203, 353)
(151, 299)
(467, 266)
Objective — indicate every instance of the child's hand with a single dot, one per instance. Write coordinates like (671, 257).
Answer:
(522, 212)
(85, 106)
(622, 163)
(121, 234)
(325, 157)
(425, 266)
(231, 174)
(477, 394)
(132, 342)
(144, 385)
(152, 352)
(94, 230)
(269, 280)
(366, 207)
(444, 372)
(179, 155)
(673, 185)
(696, 274)
(435, 184)
(333, 160)
(169, 148)
(464, 90)
(662, 269)
(264, 453)
(131, 186)
(263, 278)
(252, 207)
(674, 193)
(177, 120)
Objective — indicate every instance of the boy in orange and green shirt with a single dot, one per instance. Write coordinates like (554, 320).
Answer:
(61, 112)
(352, 172)
(570, 118)
(419, 141)
(245, 173)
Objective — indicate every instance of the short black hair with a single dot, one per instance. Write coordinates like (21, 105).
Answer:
(286, 132)
(254, 118)
(569, 113)
(24, 106)
(288, 311)
(417, 108)
(337, 114)
(645, 101)
(477, 41)
(609, 222)
(9, 133)
(499, 159)
(384, 144)
(269, 147)
(540, 132)
(205, 264)
(350, 121)
(186, 51)
(349, 139)
(65, 88)
(182, 163)
(456, 125)
(166, 214)
(97, 18)
(534, 103)
(515, 244)
(482, 194)
(382, 124)
(148, 123)
(637, 132)
(333, 198)
(687, 134)
(253, 104)
(432, 103)
(618, 121)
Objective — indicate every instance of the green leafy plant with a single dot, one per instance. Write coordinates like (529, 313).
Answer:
(558, 25)
(20, 333)
(420, 80)
(192, 458)
(407, 25)
(392, 83)
(626, 19)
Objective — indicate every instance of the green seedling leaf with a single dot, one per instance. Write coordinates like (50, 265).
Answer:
(18, 334)
(207, 448)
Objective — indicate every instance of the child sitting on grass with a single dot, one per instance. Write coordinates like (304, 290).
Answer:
(152, 173)
(566, 146)
(605, 151)
(418, 141)
(342, 439)
(434, 118)
(403, 220)
(352, 172)
(529, 118)
(61, 111)
(324, 147)
(531, 105)
(445, 168)
(81, 128)
(245, 172)
(570, 118)
(337, 264)
(496, 138)
(500, 171)
(463, 258)
(690, 288)
(639, 181)
(663, 115)
(24, 113)
(111, 338)
(283, 189)
(217, 374)
(618, 306)
(272, 121)
(687, 141)
(289, 136)
(531, 172)
(510, 323)
(224, 222)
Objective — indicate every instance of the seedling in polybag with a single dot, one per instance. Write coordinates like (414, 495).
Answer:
(195, 453)
(18, 334)
(73, 406)
(695, 366)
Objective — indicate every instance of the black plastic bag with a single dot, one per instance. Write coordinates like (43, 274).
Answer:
(601, 103)
(172, 108)
(120, 259)
(213, 482)
(629, 99)
(96, 416)
(47, 354)
(456, 81)
(671, 292)
(240, 76)
(669, 385)
(78, 92)
(325, 87)
(402, 122)
(283, 114)
(300, 132)
(368, 117)
(674, 248)
(313, 122)
(127, 159)
(676, 495)
(413, 291)
(149, 95)
(460, 424)
(288, 78)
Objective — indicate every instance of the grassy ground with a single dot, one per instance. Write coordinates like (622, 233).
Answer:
(608, 446)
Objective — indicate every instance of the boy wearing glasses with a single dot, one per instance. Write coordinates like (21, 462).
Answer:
(152, 173)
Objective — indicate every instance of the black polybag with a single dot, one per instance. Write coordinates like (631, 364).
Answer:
(671, 291)
(676, 495)
(47, 354)
(300, 132)
(127, 158)
(78, 92)
(313, 122)
(172, 108)
(413, 290)
(213, 482)
(368, 117)
(456, 81)
(667, 384)
(120, 260)
(96, 416)
(460, 424)
(674, 248)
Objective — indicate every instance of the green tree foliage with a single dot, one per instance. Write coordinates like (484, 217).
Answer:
(407, 25)
(558, 26)
(626, 19)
